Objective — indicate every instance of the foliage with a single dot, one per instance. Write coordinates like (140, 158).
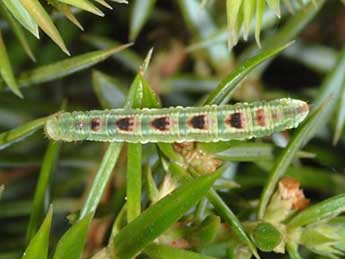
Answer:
(282, 195)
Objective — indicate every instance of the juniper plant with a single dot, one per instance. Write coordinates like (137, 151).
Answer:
(280, 196)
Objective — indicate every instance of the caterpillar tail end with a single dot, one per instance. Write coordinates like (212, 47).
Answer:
(52, 128)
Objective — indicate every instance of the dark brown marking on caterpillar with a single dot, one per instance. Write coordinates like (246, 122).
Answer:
(235, 120)
(161, 123)
(96, 124)
(198, 122)
(276, 116)
(260, 117)
(125, 124)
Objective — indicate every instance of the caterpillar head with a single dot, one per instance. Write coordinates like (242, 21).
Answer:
(301, 110)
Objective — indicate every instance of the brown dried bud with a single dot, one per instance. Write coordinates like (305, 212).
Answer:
(289, 189)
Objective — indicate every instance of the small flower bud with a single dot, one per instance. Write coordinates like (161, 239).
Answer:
(266, 237)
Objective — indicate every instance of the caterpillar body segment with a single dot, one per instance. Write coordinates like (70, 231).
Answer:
(179, 124)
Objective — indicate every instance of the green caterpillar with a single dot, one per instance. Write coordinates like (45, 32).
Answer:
(179, 124)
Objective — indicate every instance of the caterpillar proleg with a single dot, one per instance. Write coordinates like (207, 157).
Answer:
(179, 124)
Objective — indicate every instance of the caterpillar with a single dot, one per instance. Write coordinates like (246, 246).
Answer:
(179, 124)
